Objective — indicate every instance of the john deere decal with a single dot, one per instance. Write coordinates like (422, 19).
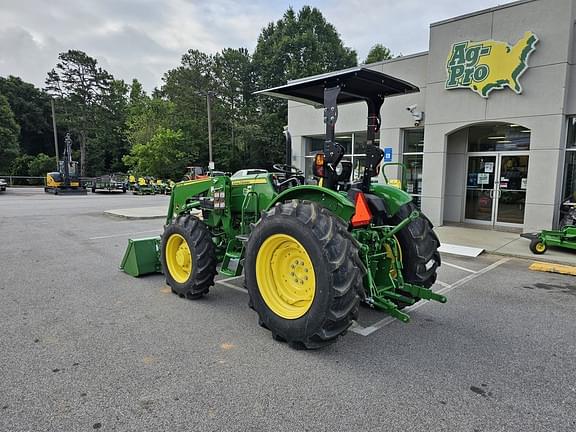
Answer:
(488, 65)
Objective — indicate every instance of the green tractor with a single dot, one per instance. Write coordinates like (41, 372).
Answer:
(310, 254)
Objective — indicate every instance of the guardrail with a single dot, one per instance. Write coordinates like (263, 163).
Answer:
(34, 181)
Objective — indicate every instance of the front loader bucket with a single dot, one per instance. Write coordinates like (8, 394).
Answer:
(142, 257)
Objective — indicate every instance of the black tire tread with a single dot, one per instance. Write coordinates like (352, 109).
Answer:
(200, 241)
(419, 245)
(345, 268)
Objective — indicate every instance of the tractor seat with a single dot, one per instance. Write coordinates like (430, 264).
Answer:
(289, 182)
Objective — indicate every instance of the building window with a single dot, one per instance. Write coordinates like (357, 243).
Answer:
(354, 144)
(412, 158)
(569, 193)
(498, 137)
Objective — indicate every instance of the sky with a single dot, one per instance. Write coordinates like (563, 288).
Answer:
(145, 38)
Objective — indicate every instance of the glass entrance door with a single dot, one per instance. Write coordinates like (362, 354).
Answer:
(480, 189)
(511, 189)
(496, 189)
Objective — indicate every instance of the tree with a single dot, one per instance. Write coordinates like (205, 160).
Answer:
(109, 142)
(186, 87)
(296, 46)
(31, 108)
(9, 131)
(21, 165)
(234, 107)
(163, 156)
(81, 86)
(378, 53)
(41, 164)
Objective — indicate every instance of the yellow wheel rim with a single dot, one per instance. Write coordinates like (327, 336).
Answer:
(178, 258)
(285, 276)
(540, 247)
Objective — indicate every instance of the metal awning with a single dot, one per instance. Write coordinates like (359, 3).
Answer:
(357, 84)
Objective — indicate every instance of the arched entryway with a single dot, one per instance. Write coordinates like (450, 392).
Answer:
(487, 174)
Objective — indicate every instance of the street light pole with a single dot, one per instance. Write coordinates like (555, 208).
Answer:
(55, 133)
(211, 161)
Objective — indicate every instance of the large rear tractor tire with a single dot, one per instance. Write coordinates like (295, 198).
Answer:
(303, 274)
(419, 247)
(188, 257)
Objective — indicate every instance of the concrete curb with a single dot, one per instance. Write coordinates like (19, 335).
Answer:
(135, 213)
(128, 217)
(552, 260)
(142, 213)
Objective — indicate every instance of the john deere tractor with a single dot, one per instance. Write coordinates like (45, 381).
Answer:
(309, 253)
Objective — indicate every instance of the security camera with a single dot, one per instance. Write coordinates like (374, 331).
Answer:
(418, 116)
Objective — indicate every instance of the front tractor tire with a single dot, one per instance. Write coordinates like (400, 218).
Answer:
(188, 257)
(303, 274)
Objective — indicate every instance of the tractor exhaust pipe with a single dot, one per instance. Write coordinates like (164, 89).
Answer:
(288, 146)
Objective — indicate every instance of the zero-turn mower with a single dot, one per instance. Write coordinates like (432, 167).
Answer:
(310, 254)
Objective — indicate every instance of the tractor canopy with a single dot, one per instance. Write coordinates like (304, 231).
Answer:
(357, 84)
(332, 89)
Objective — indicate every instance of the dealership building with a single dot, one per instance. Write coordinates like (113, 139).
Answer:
(490, 139)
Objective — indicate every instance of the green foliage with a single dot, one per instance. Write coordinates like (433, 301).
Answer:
(114, 124)
(378, 53)
(21, 165)
(91, 104)
(163, 156)
(41, 164)
(31, 107)
(298, 45)
(9, 131)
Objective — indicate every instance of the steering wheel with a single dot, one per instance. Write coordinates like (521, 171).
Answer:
(287, 169)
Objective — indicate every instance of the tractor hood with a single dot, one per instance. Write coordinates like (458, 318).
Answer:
(358, 84)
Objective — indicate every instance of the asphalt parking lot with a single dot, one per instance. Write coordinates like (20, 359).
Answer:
(84, 346)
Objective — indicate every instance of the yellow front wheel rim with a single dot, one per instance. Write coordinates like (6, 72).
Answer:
(540, 247)
(285, 276)
(178, 258)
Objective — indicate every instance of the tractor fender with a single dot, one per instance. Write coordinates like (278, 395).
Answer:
(337, 203)
(393, 197)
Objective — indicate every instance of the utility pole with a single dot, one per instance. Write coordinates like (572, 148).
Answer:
(211, 161)
(55, 133)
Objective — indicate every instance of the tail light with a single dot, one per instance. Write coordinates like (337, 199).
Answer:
(318, 168)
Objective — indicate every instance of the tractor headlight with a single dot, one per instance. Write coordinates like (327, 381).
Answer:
(219, 200)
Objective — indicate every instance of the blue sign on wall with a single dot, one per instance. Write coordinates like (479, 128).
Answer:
(387, 154)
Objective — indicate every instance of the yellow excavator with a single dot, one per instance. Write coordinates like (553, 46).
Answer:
(66, 180)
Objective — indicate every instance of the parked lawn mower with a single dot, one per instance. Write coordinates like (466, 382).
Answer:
(563, 238)
(568, 213)
(143, 186)
(309, 253)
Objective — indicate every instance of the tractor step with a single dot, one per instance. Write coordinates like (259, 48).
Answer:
(233, 258)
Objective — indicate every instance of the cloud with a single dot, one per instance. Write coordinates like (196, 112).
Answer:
(145, 38)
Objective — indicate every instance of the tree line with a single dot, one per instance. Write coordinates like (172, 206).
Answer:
(119, 127)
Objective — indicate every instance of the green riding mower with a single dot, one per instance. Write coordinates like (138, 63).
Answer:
(310, 254)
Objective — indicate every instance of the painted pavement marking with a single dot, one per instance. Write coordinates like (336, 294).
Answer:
(365, 331)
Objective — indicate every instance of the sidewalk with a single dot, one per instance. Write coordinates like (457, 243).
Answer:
(501, 243)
